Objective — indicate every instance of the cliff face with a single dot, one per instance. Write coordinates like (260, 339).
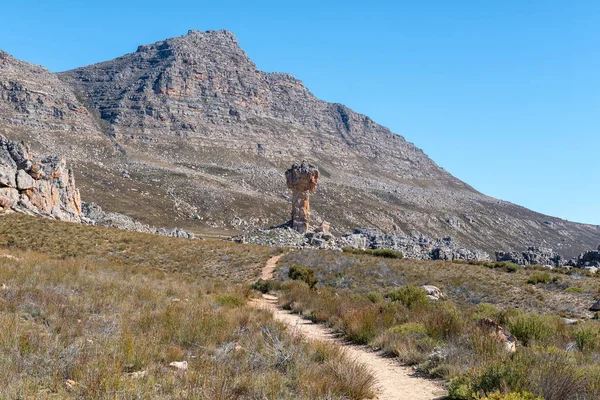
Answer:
(188, 132)
(37, 186)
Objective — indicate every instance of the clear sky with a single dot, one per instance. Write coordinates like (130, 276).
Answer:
(504, 94)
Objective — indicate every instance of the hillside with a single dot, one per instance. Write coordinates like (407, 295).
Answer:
(188, 132)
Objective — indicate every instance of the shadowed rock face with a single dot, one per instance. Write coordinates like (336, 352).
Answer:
(33, 186)
(302, 179)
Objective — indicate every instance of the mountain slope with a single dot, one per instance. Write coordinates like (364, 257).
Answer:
(198, 131)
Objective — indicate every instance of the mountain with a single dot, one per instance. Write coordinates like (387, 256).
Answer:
(188, 132)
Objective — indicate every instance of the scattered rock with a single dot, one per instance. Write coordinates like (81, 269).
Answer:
(179, 365)
(433, 292)
(136, 374)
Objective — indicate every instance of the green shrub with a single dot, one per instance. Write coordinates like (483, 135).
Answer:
(574, 289)
(409, 295)
(531, 327)
(587, 338)
(408, 328)
(230, 300)
(303, 274)
(375, 297)
(511, 267)
(542, 277)
(486, 310)
(265, 286)
(512, 396)
(386, 253)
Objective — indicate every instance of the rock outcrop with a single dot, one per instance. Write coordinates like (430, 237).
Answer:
(532, 256)
(419, 246)
(37, 186)
(302, 179)
(95, 215)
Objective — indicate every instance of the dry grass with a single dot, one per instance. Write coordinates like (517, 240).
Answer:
(375, 301)
(461, 283)
(205, 258)
(86, 322)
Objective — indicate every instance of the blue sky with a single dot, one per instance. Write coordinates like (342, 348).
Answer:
(504, 94)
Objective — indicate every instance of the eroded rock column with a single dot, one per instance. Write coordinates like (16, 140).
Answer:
(302, 178)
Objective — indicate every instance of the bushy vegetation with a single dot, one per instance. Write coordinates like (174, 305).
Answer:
(386, 253)
(305, 275)
(542, 277)
(445, 338)
(95, 327)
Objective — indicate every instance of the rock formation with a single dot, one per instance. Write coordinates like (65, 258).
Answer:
(532, 256)
(418, 246)
(302, 179)
(45, 186)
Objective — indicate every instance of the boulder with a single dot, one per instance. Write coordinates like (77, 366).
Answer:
(24, 180)
(433, 292)
(7, 176)
(8, 197)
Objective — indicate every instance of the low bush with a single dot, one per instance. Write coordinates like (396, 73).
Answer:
(303, 274)
(386, 253)
(531, 327)
(411, 296)
(542, 277)
(587, 337)
(409, 342)
(574, 289)
(512, 396)
(265, 286)
(376, 297)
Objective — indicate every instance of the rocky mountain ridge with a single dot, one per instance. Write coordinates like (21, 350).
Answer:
(188, 132)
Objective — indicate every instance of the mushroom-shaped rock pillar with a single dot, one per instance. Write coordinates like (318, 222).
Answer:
(302, 179)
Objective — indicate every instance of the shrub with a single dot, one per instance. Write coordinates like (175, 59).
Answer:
(512, 396)
(375, 297)
(574, 289)
(444, 321)
(303, 274)
(587, 338)
(531, 327)
(230, 300)
(542, 277)
(486, 310)
(386, 253)
(360, 325)
(409, 342)
(411, 296)
(265, 286)
(511, 267)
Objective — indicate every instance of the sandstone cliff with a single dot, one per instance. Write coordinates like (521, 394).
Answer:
(37, 186)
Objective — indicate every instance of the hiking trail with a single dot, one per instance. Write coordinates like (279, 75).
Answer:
(394, 381)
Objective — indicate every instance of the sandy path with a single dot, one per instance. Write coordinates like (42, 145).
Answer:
(394, 382)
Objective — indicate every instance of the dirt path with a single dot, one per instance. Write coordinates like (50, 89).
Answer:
(395, 382)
